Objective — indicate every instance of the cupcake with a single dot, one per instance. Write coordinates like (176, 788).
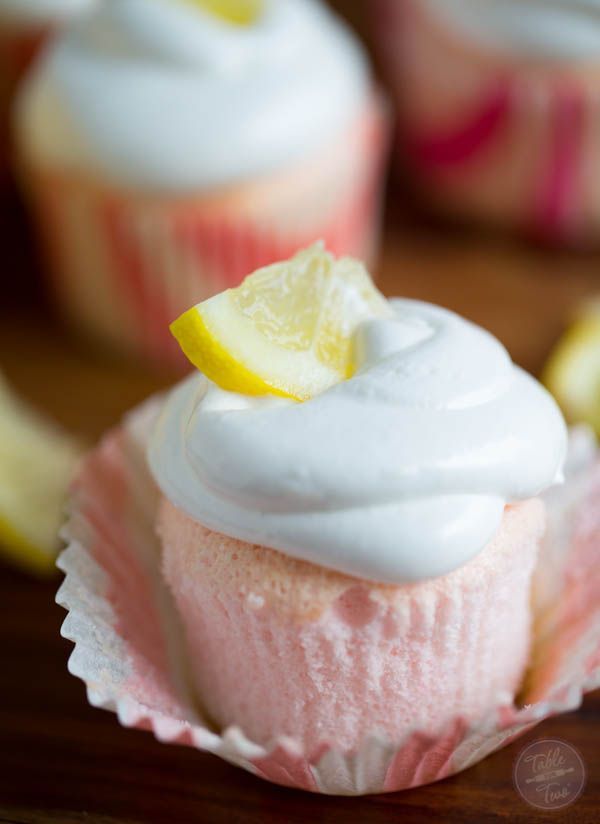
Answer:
(24, 24)
(349, 521)
(169, 147)
(499, 112)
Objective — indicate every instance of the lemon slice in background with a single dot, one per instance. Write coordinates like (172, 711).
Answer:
(287, 330)
(572, 373)
(36, 465)
(240, 12)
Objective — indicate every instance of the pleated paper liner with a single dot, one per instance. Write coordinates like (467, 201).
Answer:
(124, 264)
(129, 652)
(493, 135)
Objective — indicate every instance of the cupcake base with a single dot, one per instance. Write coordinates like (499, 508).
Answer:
(129, 647)
(350, 657)
(491, 136)
(126, 264)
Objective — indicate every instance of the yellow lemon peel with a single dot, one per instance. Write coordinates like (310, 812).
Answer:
(287, 330)
(238, 12)
(572, 373)
(36, 465)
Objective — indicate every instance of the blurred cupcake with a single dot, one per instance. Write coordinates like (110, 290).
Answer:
(499, 109)
(171, 146)
(370, 550)
(24, 24)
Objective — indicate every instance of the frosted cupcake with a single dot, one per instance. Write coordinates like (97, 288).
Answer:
(350, 508)
(169, 149)
(24, 24)
(500, 119)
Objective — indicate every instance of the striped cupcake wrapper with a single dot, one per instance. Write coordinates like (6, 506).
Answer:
(129, 646)
(510, 142)
(124, 266)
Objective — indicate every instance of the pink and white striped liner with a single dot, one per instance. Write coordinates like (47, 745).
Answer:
(125, 265)
(129, 653)
(492, 136)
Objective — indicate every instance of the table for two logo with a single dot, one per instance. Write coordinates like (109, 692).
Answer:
(549, 774)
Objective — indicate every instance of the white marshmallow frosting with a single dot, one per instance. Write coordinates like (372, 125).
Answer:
(163, 94)
(399, 474)
(563, 29)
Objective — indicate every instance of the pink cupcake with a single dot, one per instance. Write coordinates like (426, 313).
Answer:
(351, 657)
(499, 112)
(24, 25)
(167, 151)
(130, 652)
(369, 551)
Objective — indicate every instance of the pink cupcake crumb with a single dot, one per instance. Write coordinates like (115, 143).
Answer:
(278, 646)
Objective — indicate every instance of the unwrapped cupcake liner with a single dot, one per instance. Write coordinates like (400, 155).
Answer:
(129, 649)
(492, 136)
(124, 265)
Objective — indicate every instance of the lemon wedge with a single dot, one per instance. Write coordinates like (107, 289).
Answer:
(36, 465)
(572, 373)
(287, 330)
(239, 12)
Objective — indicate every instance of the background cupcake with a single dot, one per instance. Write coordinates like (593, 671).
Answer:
(499, 114)
(23, 26)
(168, 151)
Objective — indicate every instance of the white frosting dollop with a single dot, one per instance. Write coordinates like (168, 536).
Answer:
(41, 12)
(398, 474)
(160, 93)
(565, 29)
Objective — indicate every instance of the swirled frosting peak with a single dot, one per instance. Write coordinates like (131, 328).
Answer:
(165, 94)
(399, 474)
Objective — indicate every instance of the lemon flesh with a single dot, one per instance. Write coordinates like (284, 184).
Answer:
(36, 465)
(287, 330)
(573, 372)
(239, 12)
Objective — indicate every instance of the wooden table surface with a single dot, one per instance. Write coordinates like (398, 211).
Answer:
(61, 760)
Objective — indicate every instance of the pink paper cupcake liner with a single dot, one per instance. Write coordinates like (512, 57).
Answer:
(490, 136)
(124, 266)
(129, 648)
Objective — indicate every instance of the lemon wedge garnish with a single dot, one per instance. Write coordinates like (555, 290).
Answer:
(572, 373)
(287, 330)
(239, 12)
(36, 465)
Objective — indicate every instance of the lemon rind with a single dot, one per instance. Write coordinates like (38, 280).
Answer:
(229, 350)
(237, 13)
(567, 374)
(23, 552)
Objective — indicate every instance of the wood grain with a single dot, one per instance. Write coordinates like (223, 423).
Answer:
(62, 761)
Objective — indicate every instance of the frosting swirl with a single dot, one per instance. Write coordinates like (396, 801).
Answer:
(161, 93)
(398, 474)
